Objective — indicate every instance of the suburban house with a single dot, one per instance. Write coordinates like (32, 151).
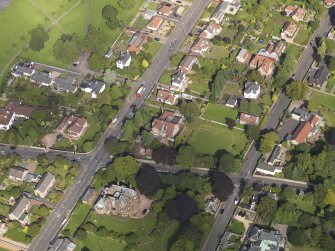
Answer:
(17, 173)
(295, 12)
(298, 113)
(275, 157)
(305, 129)
(319, 76)
(44, 185)
(19, 211)
(290, 30)
(124, 60)
(263, 239)
(6, 119)
(3, 228)
(166, 9)
(231, 102)
(263, 64)
(166, 97)
(219, 13)
(234, 6)
(65, 84)
(178, 81)
(211, 31)
(328, 3)
(155, 23)
(23, 69)
(93, 86)
(243, 56)
(187, 64)
(73, 126)
(63, 244)
(200, 46)
(41, 78)
(252, 90)
(212, 205)
(117, 200)
(267, 169)
(248, 119)
(168, 125)
(273, 50)
(137, 41)
(20, 110)
(148, 14)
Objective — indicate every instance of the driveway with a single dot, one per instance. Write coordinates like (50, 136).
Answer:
(289, 126)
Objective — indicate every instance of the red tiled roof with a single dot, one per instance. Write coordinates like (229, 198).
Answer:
(248, 119)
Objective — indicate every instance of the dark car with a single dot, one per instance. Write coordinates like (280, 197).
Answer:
(222, 211)
(12, 148)
(144, 212)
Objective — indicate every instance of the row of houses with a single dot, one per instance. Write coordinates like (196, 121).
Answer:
(55, 79)
(21, 210)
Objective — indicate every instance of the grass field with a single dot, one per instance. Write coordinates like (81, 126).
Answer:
(94, 242)
(325, 105)
(219, 113)
(330, 84)
(302, 37)
(294, 248)
(77, 217)
(208, 138)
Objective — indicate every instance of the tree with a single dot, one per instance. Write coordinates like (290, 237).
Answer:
(96, 62)
(297, 90)
(297, 237)
(123, 169)
(253, 132)
(227, 163)
(38, 37)
(109, 76)
(190, 110)
(266, 209)
(331, 63)
(267, 142)
(329, 198)
(165, 154)
(109, 13)
(231, 123)
(330, 46)
(116, 147)
(138, 119)
(322, 49)
(67, 49)
(145, 63)
(148, 181)
(186, 156)
(181, 208)
(222, 186)
(81, 234)
(95, 40)
(219, 82)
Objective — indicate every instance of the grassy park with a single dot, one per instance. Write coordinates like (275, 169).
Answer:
(325, 105)
(219, 113)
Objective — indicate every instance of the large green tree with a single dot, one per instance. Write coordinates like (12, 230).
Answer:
(123, 169)
(190, 110)
(297, 90)
(38, 37)
(268, 141)
(186, 156)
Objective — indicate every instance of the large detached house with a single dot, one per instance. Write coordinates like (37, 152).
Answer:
(6, 119)
(168, 125)
(41, 78)
(263, 64)
(23, 69)
(73, 126)
(248, 119)
(243, 56)
(167, 97)
(304, 130)
(295, 12)
(211, 31)
(262, 239)
(187, 64)
(155, 23)
(273, 50)
(19, 211)
(219, 13)
(319, 76)
(200, 46)
(94, 87)
(178, 81)
(137, 41)
(289, 30)
(65, 84)
(17, 173)
(44, 185)
(124, 60)
(252, 90)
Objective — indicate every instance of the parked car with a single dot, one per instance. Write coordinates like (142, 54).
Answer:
(222, 211)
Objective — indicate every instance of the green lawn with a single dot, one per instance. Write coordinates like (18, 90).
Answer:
(17, 21)
(55, 8)
(77, 217)
(208, 138)
(304, 248)
(219, 113)
(236, 227)
(302, 37)
(330, 84)
(140, 23)
(232, 89)
(94, 242)
(114, 223)
(325, 105)
(218, 53)
(169, 231)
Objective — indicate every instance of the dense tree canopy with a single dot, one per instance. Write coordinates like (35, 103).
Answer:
(190, 110)
(268, 141)
(297, 90)
(38, 37)
(123, 169)
(148, 181)
(186, 156)
(221, 184)
(181, 208)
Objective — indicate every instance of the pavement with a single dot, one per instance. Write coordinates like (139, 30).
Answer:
(251, 159)
(98, 157)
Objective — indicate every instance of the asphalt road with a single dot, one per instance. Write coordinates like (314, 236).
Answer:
(251, 159)
(92, 162)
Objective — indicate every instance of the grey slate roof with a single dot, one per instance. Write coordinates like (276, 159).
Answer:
(251, 87)
(231, 101)
(63, 244)
(41, 77)
(275, 153)
(124, 57)
(178, 77)
(266, 167)
(23, 67)
(67, 84)
(44, 183)
(320, 76)
(19, 208)
(17, 172)
(94, 85)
